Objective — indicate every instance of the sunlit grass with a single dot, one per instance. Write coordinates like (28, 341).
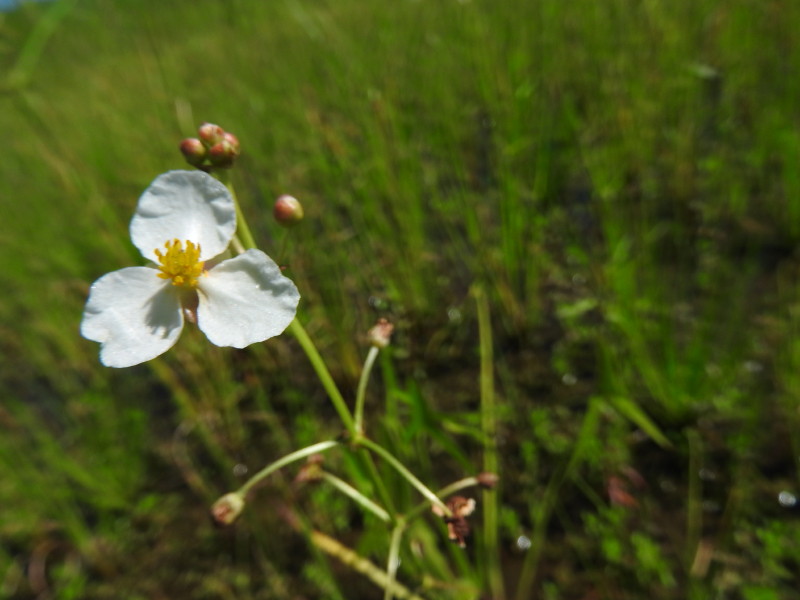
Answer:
(620, 178)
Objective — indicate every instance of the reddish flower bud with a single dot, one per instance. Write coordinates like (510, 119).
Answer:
(210, 134)
(287, 210)
(233, 143)
(222, 154)
(193, 151)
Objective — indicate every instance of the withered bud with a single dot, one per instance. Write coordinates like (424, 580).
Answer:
(210, 134)
(287, 210)
(457, 531)
(461, 507)
(193, 151)
(380, 334)
(457, 525)
(227, 509)
(487, 480)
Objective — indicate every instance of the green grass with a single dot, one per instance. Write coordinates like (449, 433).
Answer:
(620, 178)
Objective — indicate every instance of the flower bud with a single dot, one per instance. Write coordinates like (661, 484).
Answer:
(232, 141)
(210, 134)
(287, 210)
(193, 151)
(222, 154)
(380, 334)
(226, 510)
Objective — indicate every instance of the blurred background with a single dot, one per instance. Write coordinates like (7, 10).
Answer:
(620, 179)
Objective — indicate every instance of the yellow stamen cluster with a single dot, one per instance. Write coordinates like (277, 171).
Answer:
(180, 264)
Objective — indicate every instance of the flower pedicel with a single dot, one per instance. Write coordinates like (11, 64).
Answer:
(183, 221)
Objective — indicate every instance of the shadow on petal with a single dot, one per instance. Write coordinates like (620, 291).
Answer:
(161, 317)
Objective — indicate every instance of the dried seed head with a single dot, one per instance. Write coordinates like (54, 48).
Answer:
(457, 525)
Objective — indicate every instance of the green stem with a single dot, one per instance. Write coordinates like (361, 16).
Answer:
(280, 255)
(282, 462)
(400, 468)
(360, 564)
(361, 392)
(394, 559)
(352, 493)
(299, 332)
(245, 239)
(490, 459)
(237, 244)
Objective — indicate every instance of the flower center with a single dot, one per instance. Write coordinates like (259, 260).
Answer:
(180, 264)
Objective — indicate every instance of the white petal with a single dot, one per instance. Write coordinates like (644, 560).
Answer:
(134, 314)
(244, 300)
(187, 205)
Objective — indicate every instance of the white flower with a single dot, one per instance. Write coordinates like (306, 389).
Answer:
(183, 220)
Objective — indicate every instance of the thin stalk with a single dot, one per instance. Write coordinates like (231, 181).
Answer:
(361, 392)
(457, 486)
(490, 459)
(237, 244)
(400, 468)
(280, 253)
(352, 493)
(299, 332)
(282, 462)
(245, 239)
(394, 559)
(361, 564)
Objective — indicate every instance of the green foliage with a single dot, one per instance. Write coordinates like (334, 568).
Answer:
(620, 178)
